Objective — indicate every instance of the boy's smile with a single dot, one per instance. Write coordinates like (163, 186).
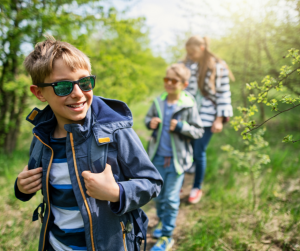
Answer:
(73, 107)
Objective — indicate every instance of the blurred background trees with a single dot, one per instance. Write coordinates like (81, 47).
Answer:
(23, 23)
(252, 36)
(119, 50)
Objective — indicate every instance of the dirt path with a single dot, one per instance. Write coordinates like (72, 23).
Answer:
(184, 211)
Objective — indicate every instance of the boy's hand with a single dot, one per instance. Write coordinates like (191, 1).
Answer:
(154, 122)
(30, 181)
(102, 186)
(173, 124)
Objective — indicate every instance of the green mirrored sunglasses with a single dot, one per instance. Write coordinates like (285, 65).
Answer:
(65, 87)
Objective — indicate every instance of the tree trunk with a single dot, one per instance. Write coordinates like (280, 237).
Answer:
(12, 104)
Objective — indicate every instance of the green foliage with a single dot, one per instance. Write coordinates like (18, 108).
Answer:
(224, 219)
(125, 67)
(23, 23)
(250, 157)
(119, 50)
(264, 95)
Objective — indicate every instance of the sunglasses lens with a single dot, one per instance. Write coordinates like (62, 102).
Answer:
(63, 88)
(87, 84)
(174, 81)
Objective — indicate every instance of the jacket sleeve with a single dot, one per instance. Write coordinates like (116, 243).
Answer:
(223, 94)
(193, 127)
(22, 196)
(19, 195)
(150, 114)
(144, 181)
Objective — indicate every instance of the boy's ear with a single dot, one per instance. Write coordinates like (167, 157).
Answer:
(185, 84)
(37, 92)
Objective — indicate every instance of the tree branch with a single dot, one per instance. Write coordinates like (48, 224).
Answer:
(270, 119)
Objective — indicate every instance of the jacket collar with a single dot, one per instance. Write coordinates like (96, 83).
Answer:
(185, 101)
(102, 119)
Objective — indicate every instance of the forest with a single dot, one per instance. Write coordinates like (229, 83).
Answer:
(251, 193)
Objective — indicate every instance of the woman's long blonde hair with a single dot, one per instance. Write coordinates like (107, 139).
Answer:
(207, 62)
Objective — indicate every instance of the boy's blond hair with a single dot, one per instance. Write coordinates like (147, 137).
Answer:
(39, 63)
(181, 71)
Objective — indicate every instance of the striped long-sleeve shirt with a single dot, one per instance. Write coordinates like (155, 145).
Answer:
(215, 104)
(67, 232)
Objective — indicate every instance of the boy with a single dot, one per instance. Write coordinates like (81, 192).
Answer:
(74, 135)
(174, 117)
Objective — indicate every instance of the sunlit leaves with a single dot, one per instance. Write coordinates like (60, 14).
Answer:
(250, 158)
(260, 94)
(287, 138)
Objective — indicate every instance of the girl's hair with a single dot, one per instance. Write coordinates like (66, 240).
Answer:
(181, 71)
(39, 63)
(207, 62)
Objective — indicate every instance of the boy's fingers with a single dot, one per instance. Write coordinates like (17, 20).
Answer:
(33, 184)
(86, 174)
(107, 168)
(29, 173)
(31, 179)
(25, 168)
(87, 192)
(35, 189)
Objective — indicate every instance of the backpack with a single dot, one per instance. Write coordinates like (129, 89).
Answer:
(137, 220)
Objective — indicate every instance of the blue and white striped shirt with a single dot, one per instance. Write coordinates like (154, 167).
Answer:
(216, 104)
(67, 232)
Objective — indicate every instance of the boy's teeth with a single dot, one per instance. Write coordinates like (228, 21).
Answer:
(76, 106)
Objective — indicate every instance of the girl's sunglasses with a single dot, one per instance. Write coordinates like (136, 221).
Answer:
(64, 88)
(173, 80)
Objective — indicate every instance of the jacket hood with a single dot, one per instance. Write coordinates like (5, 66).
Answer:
(103, 118)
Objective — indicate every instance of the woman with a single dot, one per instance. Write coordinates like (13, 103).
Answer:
(209, 83)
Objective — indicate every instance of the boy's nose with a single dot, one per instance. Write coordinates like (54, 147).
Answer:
(77, 92)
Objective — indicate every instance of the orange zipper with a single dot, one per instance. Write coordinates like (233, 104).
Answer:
(82, 193)
(124, 235)
(47, 187)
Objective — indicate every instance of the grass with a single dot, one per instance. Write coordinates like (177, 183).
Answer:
(223, 220)
(16, 229)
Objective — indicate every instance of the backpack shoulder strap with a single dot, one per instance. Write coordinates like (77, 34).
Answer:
(98, 156)
(36, 151)
(98, 159)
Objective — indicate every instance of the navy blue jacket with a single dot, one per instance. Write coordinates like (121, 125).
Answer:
(107, 122)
